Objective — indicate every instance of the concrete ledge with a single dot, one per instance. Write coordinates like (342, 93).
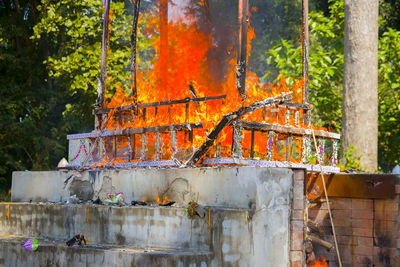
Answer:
(230, 187)
(134, 226)
(56, 253)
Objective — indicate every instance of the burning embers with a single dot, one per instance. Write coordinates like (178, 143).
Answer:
(191, 107)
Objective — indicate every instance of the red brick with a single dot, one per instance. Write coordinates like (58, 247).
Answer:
(387, 215)
(341, 214)
(362, 214)
(361, 204)
(296, 255)
(386, 205)
(364, 241)
(298, 191)
(296, 240)
(343, 231)
(361, 250)
(362, 223)
(296, 264)
(344, 240)
(340, 203)
(397, 188)
(297, 215)
(298, 205)
(364, 260)
(298, 175)
(345, 222)
(297, 225)
(366, 232)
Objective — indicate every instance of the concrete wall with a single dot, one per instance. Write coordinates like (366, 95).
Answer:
(235, 187)
(258, 235)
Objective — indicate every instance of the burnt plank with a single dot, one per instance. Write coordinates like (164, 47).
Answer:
(375, 186)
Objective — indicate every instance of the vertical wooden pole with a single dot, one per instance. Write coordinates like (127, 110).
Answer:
(305, 45)
(163, 56)
(242, 48)
(136, 9)
(103, 64)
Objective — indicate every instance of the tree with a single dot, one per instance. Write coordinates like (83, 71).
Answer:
(360, 83)
(326, 76)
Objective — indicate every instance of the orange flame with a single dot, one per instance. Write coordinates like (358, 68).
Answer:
(165, 200)
(320, 262)
(183, 62)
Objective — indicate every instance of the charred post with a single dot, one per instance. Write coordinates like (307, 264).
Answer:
(305, 45)
(103, 64)
(136, 9)
(242, 48)
(227, 119)
(163, 56)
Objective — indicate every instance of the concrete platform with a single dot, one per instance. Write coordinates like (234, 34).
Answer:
(246, 223)
(228, 187)
(166, 227)
(56, 253)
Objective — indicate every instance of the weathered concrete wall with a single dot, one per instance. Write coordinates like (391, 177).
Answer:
(255, 235)
(236, 187)
(50, 254)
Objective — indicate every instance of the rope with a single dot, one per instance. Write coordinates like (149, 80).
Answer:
(327, 199)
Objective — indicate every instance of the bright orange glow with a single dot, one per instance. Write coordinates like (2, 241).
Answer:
(165, 200)
(182, 67)
(320, 262)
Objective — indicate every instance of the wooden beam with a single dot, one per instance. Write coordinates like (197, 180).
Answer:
(101, 85)
(157, 104)
(136, 9)
(375, 186)
(242, 48)
(228, 119)
(285, 129)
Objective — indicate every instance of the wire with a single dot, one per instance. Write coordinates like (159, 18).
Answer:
(327, 199)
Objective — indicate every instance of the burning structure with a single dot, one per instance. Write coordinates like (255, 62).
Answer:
(196, 102)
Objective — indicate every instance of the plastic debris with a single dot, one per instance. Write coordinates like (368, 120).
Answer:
(62, 164)
(167, 204)
(117, 199)
(138, 203)
(72, 200)
(31, 244)
(78, 238)
(98, 201)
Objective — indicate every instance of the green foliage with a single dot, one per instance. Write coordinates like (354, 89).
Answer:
(75, 28)
(389, 98)
(326, 77)
(325, 64)
(351, 160)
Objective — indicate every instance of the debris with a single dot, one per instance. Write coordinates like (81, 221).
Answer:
(78, 238)
(167, 204)
(62, 164)
(321, 242)
(138, 203)
(227, 119)
(31, 244)
(72, 200)
(117, 199)
(194, 209)
(98, 201)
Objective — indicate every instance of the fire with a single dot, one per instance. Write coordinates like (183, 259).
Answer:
(165, 200)
(320, 262)
(189, 61)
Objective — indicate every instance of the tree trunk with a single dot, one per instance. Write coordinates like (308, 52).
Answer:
(360, 85)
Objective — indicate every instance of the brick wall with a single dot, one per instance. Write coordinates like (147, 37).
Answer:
(297, 220)
(368, 230)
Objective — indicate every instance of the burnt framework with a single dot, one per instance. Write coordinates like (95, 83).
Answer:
(211, 151)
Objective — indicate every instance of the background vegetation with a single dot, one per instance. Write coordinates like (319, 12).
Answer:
(50, 53)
